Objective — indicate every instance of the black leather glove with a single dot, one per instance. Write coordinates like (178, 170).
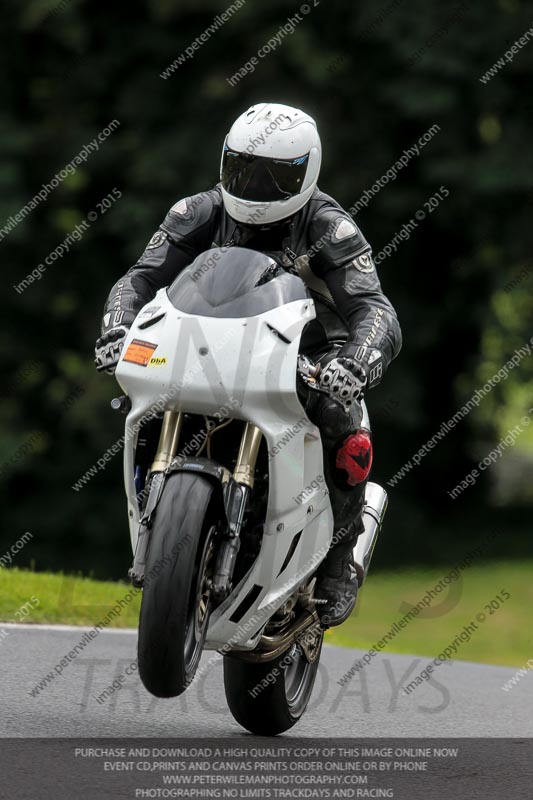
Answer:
(344, 379)
(335, 407)
(108, 349)
(370, 359)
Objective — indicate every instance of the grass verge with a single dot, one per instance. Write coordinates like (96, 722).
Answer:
(503, 637)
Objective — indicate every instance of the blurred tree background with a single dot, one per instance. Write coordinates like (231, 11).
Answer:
(376, 77)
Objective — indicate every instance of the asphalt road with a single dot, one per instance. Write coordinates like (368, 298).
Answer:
(463, 700)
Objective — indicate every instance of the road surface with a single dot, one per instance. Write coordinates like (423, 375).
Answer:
(463, 699)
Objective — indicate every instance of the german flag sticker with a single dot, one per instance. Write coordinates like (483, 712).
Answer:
(139, 352)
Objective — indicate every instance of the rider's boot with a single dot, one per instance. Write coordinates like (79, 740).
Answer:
(336, 577)
(347, 462)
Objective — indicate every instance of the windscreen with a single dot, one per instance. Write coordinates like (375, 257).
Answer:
(234, 282)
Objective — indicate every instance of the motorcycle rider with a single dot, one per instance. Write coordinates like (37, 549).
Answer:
(267, 200)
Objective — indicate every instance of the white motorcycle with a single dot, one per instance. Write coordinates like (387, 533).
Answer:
(229, 511)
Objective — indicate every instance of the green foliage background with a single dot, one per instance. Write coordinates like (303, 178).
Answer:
(68, 70)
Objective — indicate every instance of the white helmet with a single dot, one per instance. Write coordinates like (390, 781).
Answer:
(270, 163)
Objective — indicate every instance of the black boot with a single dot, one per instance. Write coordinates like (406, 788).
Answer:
(337, 579)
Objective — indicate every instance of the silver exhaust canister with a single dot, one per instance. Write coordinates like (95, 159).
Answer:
(373, 512)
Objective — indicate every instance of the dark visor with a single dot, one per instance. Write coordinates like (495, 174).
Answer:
(261, 179)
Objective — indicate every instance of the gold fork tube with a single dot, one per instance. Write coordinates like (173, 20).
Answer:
(247, 458)
(168, 440)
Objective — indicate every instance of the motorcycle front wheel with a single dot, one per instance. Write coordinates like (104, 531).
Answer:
(176, 599)
(269, 698)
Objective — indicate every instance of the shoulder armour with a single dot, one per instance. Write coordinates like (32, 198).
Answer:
(191, 213)
(334, 237)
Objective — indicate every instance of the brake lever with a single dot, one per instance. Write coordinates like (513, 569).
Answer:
(309, 372)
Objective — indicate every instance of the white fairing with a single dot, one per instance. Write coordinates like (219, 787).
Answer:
(202, 364)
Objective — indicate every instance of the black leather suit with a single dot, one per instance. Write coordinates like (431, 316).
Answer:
(322, 244)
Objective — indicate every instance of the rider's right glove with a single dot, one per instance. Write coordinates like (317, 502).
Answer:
(108, 349)
(113, 335)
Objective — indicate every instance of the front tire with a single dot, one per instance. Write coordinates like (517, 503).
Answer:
(176, 604)
(269, 698)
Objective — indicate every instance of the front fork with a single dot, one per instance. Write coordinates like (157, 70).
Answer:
(236, 492)
(168, 440)
(236, 496)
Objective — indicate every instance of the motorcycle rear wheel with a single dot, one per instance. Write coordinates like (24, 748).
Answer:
(269, 698)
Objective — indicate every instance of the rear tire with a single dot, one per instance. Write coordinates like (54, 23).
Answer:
(268, 699)
(175, 603)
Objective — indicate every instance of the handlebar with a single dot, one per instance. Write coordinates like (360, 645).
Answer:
(308, 370)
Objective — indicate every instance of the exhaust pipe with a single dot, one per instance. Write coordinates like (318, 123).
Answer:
(373, 513)
(269, 647)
